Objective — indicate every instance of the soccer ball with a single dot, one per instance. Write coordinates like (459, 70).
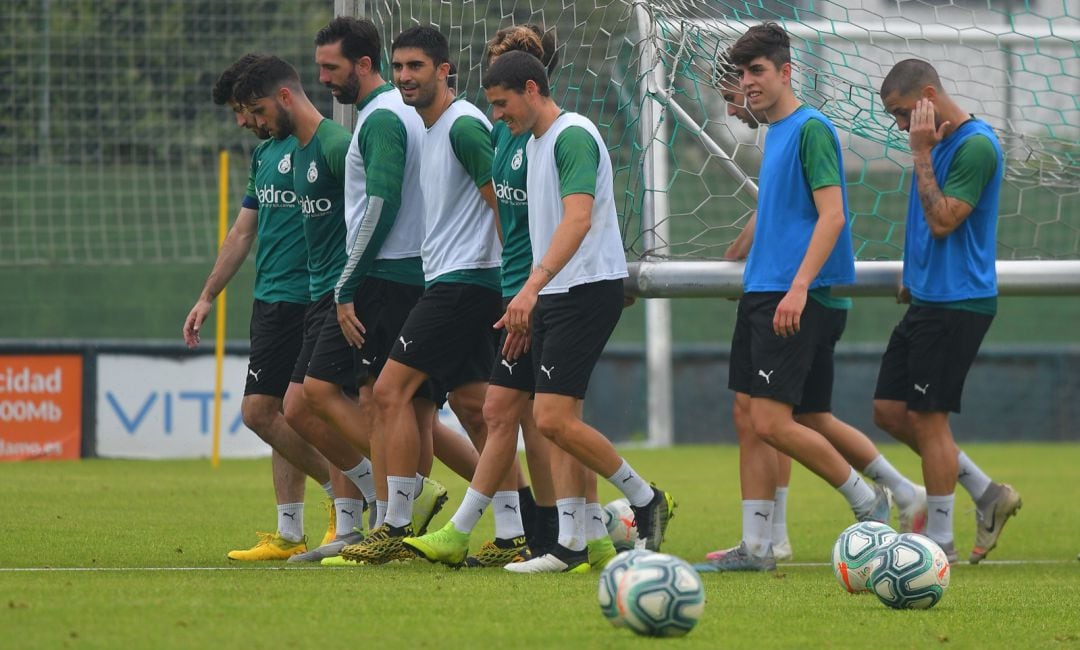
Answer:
(912, 573)
(609, 583)
(854, 555)
(660, 595)
(619, 520)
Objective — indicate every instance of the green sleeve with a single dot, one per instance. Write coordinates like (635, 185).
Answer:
(577, 157)
(471, 142)
(334, 148)
(382, 143)
(817, 148)
(974, 164)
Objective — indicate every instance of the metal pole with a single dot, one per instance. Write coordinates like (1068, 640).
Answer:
(654, 220)
(44, 153)
(677, 279)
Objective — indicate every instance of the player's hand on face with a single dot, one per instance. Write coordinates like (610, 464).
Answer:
(193, 323)
(351, 326)
(789, 313)
(923, 134)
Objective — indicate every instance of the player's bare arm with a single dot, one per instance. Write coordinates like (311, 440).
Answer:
(740, 248)
(488, 192)
(944, 214)
(234, 250)
(829, 202)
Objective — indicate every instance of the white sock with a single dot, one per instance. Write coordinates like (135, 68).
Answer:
(883, 473)
(779, 516)
(469, 512)
(507, 508)
(290, 521)
(572, 522)
(380, 513)
(939, 518)
(858, 494)
(636, 490)
(974, 480)
(362, 478)
(328, 487)
(757, 526)
(349, 515)
(594, 522)
(419, 486)
(399, 508)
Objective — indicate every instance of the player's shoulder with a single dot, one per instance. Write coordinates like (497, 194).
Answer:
(330, 131)
(462, 111)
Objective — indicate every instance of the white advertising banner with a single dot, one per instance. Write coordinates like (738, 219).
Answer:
(160, 407)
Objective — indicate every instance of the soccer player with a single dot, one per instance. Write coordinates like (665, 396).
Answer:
(508, 402)
(269, 213)
(576, 291)
(448, 336)
(382, 277)
(801, 248)
(765, 472)
(950, 279)
(271, 90)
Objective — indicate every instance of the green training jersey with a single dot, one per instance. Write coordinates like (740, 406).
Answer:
(319, 179)
(508, 173)
(281, 273)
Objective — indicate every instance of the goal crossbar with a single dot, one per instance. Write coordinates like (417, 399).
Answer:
(707, 279)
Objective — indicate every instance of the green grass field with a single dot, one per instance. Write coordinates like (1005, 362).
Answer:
(125, 554)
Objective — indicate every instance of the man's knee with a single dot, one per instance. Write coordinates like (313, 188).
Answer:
(259, 412)
(891, 417)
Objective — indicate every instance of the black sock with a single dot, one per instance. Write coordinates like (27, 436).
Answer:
(547, 529)
(528, 512)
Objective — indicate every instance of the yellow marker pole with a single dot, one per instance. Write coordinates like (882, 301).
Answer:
(219, 343)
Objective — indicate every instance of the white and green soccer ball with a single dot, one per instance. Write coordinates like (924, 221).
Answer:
(610, 577)
(854, 554)
(912, 572)
(619, 520)
(660, 595)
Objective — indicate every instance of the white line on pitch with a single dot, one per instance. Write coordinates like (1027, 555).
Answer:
(158, 568)
(315, 568)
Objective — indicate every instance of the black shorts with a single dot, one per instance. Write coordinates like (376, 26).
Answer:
(817, 390)
(928, 357)
(570, 331)
(382, 306)
(516, 375)
(449, 336)
(314, 317)
(333, 360)
(277, 334)
(764, 364)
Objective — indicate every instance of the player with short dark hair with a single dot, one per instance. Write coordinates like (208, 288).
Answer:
(801, 248)
(269, 213)
(271, 90)
(764, 472)
(508, 402)
(570, 303)
(951, 282)
(447, 336)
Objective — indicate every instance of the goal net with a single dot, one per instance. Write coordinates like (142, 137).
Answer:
(645, 73)
(108, 138)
